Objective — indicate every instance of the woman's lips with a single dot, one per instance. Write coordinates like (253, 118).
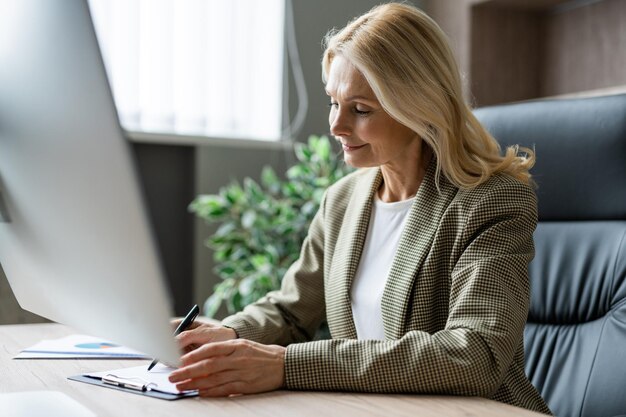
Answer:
(348, 148)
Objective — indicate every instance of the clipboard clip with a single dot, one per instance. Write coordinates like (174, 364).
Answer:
(136, 384)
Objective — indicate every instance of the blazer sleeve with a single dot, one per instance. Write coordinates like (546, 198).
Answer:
(489, 301)
(296, 311)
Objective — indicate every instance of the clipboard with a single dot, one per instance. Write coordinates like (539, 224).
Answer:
(133, 385)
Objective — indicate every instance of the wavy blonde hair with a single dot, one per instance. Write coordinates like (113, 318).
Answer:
(407, 61)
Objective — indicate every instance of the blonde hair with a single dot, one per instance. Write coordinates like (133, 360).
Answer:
(406, 59)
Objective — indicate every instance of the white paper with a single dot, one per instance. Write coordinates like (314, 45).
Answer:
(79, 346)
(155, 379)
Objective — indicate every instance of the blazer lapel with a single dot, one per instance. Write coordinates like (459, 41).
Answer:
(415, 243)
(347, 256)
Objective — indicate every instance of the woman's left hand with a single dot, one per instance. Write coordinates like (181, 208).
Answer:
(237, 366)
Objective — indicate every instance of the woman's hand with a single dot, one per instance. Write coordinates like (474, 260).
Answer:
(201, 332)
(232, 367)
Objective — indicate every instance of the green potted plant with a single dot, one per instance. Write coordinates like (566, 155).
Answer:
(262, 226)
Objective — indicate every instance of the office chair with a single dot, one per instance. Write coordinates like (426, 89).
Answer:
(575, 337)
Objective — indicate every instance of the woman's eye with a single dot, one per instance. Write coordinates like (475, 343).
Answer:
(355, 109)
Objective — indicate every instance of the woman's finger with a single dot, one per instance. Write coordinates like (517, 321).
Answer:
(204, 368)
(210, 350)
(200, 321)
(213, 380)
(191, 337)
(204, 334)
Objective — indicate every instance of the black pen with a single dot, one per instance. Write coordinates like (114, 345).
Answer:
(189, 318)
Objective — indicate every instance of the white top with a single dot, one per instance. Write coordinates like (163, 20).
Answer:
(383, 236)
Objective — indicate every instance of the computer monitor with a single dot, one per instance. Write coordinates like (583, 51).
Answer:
(75, 240)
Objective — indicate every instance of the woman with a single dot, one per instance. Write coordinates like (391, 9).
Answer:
(418, 260)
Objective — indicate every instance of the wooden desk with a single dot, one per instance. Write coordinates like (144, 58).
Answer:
(44, 374)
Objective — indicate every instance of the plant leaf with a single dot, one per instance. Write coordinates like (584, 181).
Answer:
(262, 225)
(248, 218)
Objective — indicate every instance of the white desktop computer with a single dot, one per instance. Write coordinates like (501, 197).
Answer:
(75, 240)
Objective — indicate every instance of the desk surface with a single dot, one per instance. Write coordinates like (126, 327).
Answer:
(44, 374)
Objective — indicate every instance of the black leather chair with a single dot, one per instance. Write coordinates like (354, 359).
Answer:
(575, 338)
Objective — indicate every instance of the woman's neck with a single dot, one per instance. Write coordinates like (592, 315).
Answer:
(401, 181)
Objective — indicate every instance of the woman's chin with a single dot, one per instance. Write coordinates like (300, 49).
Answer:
(358, 162)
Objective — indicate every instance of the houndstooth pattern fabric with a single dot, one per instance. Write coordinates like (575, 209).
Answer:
(454, 306)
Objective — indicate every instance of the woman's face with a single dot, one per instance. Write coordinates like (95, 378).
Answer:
(368, 135)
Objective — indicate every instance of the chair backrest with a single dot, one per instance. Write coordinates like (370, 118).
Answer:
(575, 338)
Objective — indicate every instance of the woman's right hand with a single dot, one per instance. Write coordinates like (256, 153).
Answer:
(200, 332)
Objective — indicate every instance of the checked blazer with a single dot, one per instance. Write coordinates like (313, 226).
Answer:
(454, 306)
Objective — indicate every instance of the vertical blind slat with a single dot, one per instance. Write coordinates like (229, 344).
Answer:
(200, 67)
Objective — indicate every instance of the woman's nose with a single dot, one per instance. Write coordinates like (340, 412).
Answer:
(339, 123)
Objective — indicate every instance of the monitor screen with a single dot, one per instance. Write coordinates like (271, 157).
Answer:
(75, 240)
